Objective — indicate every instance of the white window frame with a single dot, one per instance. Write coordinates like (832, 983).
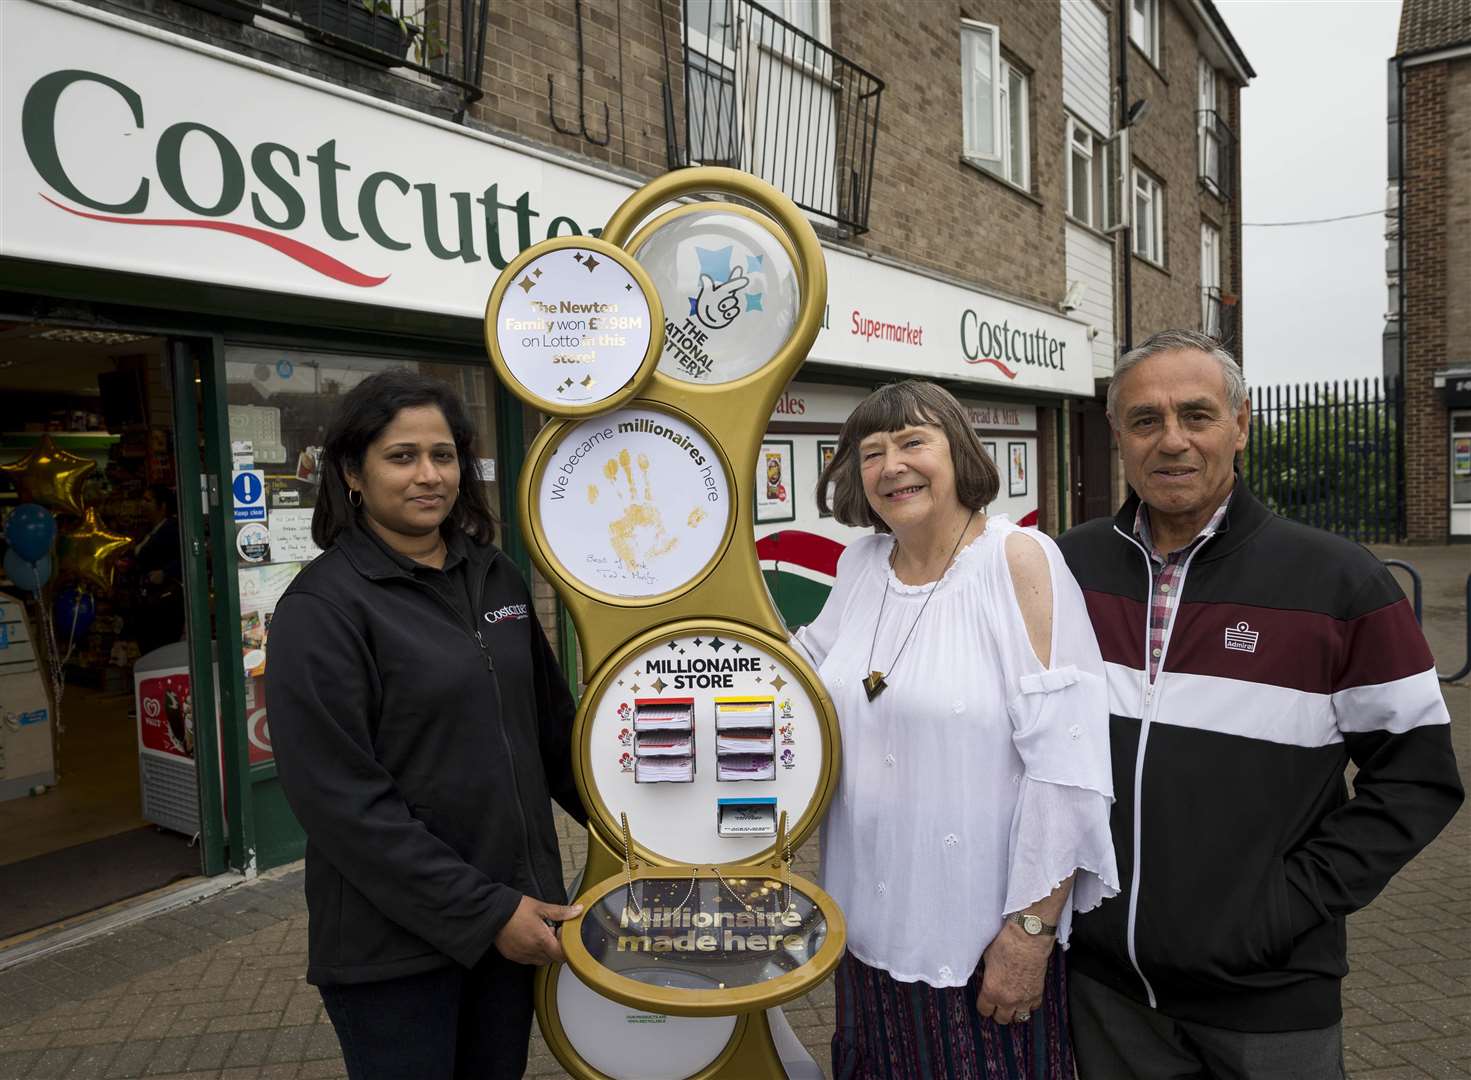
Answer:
(1144, 27)
(976, 151)
(1149, 220)
(1017, 173)
(1081, 143)
(1113, 163)
(793, 11)
(1210, 273)
(1206, 112)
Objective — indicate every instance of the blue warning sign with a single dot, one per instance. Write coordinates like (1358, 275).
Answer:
(248, 486)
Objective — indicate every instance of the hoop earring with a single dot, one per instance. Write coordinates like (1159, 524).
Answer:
(350, 493)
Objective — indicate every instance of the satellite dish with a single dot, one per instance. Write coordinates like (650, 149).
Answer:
(1073, 299)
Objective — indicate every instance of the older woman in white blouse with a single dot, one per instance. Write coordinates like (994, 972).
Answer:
(972, 816)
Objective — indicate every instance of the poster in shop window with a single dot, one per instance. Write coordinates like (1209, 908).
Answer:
(1016, 468)
(826, 448)
(775, 494)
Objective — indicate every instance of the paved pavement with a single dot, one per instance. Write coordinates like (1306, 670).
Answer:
(215, 990)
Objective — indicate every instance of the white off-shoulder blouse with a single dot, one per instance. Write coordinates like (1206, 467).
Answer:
(979, 780)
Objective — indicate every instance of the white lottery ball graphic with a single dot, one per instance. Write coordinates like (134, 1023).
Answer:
(729, 291)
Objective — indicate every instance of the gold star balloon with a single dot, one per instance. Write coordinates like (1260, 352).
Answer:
(91, 552)
(50, 476)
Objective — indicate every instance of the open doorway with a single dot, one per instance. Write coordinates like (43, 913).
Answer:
(92, 606)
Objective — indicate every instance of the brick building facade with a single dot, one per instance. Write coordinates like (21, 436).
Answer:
(1428, 333)
(323, 208)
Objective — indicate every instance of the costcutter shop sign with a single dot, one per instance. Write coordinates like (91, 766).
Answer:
(130, 149)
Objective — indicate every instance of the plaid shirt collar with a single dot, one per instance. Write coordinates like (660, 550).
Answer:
(1216, 524)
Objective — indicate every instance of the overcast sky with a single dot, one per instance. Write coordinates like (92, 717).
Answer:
(1313, 145)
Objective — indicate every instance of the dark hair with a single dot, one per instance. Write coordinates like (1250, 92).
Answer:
(891, 408)
(164, 498)
(365, 411)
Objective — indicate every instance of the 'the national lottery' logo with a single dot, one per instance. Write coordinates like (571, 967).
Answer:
(726, 291)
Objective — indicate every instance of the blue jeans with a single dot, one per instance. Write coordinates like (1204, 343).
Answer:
(446, 1024)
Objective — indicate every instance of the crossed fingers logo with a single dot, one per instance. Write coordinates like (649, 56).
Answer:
(717, 306)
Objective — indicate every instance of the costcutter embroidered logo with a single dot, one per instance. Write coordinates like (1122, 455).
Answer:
(501, 614)
(1241, 638)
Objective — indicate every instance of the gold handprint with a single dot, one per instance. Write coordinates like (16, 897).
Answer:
(637, 535)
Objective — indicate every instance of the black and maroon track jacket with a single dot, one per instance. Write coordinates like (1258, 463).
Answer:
(1292, 652)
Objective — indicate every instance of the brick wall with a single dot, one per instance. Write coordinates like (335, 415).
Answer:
(1458, 213)
(1165, 145)
(1424, 198)
(623, 58)
(930, 207)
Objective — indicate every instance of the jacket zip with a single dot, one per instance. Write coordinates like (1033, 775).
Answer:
(495, 682)
(1151, 708)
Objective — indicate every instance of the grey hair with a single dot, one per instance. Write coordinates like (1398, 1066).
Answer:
(1176, 341)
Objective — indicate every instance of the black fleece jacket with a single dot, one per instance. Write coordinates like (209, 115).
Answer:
(1292, 652)
(419, 751)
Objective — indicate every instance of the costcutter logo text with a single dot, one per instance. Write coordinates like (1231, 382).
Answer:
(501, 614)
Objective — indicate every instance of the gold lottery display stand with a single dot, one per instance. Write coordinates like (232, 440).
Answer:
(705, 747)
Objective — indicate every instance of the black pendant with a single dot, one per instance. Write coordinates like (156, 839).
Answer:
(874, 684)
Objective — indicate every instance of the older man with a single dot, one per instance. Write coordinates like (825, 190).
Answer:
(1249, 659)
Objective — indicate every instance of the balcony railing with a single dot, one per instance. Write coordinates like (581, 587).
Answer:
(1217, 153)
(441, 38)
(762, 95)
(1218, 316)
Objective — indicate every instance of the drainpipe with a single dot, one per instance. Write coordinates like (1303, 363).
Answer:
(1127, 173)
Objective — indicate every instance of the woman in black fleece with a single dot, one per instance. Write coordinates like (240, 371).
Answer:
(421, 727)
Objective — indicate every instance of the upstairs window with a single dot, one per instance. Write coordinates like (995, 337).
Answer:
(1149, 217)
(995, 110)
(1144, 27)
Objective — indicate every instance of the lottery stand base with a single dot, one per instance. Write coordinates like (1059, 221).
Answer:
(597, 1038)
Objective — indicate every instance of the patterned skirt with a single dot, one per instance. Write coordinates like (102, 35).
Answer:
(891, 1030)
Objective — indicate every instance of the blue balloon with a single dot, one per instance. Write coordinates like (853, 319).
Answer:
(28, 575)
(30, 530)
(74, 612)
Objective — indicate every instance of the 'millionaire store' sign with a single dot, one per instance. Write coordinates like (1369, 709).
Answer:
(127, 148)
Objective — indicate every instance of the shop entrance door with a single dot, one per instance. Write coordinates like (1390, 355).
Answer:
(103, 753)
(266, 411)
(1092, 463)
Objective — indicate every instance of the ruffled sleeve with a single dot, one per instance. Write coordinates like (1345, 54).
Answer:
(816, 638)
(1059, 717)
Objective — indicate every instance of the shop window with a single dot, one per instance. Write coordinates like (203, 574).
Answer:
(1149, 217)
(1461, 458)
(995, 111)
(281, 404)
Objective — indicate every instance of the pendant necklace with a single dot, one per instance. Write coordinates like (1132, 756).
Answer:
(873, 682)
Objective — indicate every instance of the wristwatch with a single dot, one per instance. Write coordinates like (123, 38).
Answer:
(1031, 924)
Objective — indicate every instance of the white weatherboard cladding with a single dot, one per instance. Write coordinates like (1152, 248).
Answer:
(574, 327)
(633, 503)
(677, 820)
(629, 1044)
(1085, 67)
(1090, 260)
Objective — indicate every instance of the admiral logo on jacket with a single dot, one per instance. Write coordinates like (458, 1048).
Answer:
(1292, 652)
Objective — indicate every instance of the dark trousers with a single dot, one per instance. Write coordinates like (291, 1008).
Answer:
(446, 1024)
(1116, 1037)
